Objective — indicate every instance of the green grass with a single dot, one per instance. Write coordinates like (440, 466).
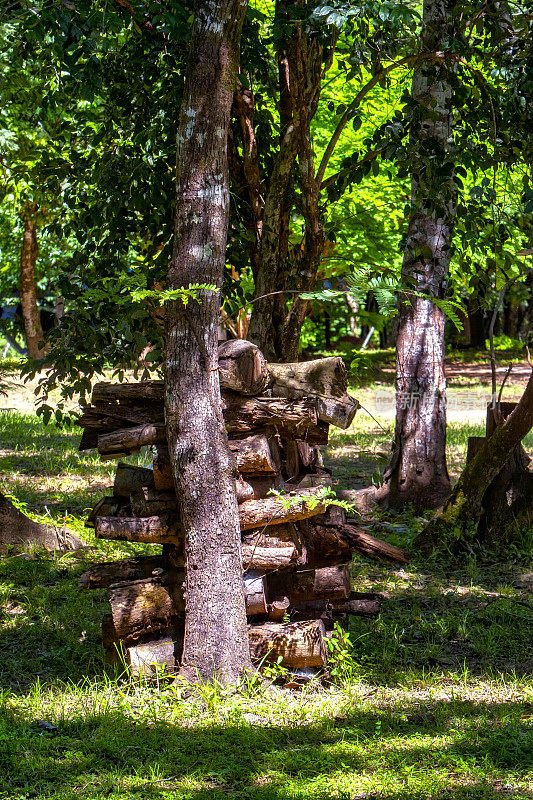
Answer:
(436, 699)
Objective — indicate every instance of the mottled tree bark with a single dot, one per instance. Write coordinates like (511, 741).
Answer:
(417, 473)
(216, 639)
(461, 513)
(33, 331)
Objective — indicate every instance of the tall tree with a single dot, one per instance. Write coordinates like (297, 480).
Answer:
(216, 638)
(417, 472)
(33, 332)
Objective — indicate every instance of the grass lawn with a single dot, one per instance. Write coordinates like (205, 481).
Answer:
(434, 701)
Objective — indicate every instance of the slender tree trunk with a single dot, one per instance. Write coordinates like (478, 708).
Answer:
(417, 473)
(33, 331)
(216, 640)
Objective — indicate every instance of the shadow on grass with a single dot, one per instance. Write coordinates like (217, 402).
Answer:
(448, 749)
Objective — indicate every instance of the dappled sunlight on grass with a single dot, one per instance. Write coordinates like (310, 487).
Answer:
(437, 703)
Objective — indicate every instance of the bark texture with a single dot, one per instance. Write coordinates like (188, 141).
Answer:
(216, 639)
(461, 514)
(33, 331)
(417, 473)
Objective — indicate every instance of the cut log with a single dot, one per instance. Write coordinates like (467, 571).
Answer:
(278, 608)
(101, 576)
(128, 478)
(292, 419)
(357, 604)
(163, 477)
(146, 606)
(298, 644)
(242, 367)
(243, 489)
(128, 440)
(254, 593)
(325, 378)
(267, 552)
(309, 456)
(301, 586)
(263, 486)
(152, 658)
(148, 502)
(325, 545)
(291, 465)
(148, 530)
(277, 511)
(106, 507)
(256, 455)
(128, 393)
(366, 545)
(313, 480)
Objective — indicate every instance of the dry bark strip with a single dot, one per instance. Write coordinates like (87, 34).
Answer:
(299, 644)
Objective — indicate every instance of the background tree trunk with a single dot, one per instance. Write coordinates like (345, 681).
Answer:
(417, 473)
(17, 531)
(33, 331)
(216, 638)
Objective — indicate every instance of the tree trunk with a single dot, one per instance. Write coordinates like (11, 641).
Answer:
(417, 473)
(462, 512)
(18, 531)
(33, 331)
(216, 640)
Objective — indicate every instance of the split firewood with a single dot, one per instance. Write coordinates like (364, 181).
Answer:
(325, 378)
(242, 367)
(266, 551)
(256, 455)
(298, 644)
(148, 530)
(325, 545)
(255, 593)
(300, 586)
(128, 478)
(129, 394)
(309, 456)
(312, 480)
(279, 510)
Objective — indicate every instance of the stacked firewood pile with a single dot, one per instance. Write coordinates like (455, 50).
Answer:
(295, 550)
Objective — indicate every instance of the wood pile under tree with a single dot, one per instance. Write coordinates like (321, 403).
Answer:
(295, 551)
